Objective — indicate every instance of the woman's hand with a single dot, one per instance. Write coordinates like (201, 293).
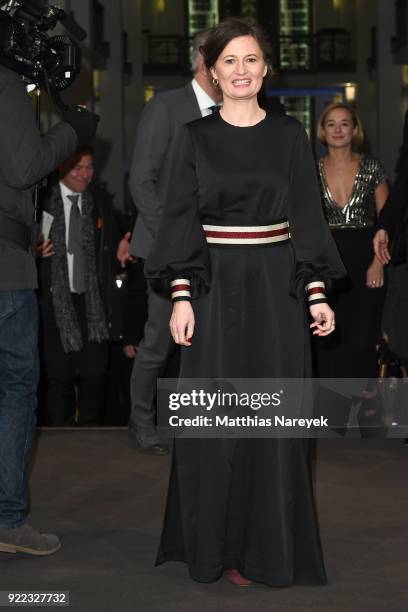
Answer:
(182, 323)
(375, 274)
(323, 318)
(381, 246)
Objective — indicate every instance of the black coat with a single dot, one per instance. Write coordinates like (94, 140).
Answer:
(150, 172)
(394, 215)
(25, 159)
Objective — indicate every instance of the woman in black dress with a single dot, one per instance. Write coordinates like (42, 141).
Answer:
(241, 179)
(353, 191)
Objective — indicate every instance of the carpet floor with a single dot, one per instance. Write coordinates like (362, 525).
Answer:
(106, 502)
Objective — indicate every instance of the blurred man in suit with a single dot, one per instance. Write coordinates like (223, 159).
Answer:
(149, 177)
(80, 307)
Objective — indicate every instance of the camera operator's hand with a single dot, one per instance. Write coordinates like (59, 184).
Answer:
(84, 123)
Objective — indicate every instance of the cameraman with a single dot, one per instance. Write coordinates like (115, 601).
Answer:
(25, 158)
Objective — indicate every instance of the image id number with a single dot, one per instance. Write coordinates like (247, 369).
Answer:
(32, 598)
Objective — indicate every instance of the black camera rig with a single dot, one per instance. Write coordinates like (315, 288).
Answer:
(50, 62)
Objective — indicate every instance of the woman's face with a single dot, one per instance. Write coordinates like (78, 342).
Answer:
(240, 68)
(338, 128)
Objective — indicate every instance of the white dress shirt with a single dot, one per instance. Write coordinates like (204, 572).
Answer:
(203, 99)
(65, 192)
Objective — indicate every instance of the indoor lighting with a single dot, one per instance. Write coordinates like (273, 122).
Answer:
(159, 6)
(350, 92)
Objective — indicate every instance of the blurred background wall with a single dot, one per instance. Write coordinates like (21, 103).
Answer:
(325, 50)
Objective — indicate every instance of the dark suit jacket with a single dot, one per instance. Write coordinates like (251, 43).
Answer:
(161, 120)
(25, 159)
(107, 236)
(394, 215)
(393, 218)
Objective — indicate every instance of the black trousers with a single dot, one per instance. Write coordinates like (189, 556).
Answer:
(74, 384)
(117, 405)
(155, 352)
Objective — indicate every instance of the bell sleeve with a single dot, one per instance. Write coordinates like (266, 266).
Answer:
(178, 266)
(317, 259)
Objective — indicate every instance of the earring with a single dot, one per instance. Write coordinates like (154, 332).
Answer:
(215, 82)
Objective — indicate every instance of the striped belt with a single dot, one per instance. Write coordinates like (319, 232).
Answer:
(258, 234)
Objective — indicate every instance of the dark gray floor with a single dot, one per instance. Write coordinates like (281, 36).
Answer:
(106, 502)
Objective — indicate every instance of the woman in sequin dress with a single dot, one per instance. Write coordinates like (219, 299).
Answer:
(353, 191)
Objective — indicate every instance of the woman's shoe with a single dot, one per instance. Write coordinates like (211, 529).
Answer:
(236, 578)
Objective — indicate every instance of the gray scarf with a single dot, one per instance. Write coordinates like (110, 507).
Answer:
(65, 314)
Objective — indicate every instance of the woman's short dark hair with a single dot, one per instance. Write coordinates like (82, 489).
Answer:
(221, 34)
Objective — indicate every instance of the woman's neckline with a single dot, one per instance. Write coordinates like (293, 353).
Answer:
(243, 127)
(326, 182)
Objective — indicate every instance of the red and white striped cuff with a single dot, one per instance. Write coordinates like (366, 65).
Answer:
(180, 289)
(315, 292)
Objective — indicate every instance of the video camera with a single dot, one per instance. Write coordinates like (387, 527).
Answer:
(25, 47)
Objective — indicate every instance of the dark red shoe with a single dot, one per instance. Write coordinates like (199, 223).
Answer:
(236, 578)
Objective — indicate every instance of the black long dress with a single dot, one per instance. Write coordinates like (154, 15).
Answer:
(350, 352)
(244, 503)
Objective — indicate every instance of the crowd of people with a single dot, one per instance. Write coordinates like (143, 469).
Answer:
(108, 376)
(239, 234)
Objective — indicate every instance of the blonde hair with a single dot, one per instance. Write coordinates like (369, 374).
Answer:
(358, 138)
